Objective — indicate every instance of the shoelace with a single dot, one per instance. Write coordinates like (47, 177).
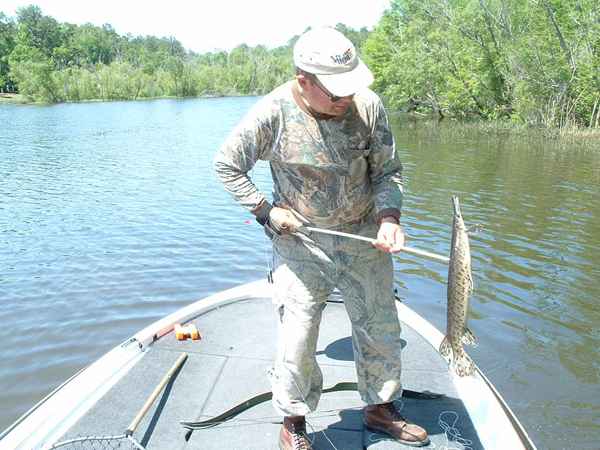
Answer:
(299, 438)
(394, 412)
(300, 441)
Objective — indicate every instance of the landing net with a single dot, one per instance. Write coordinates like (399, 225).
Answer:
(122, 442)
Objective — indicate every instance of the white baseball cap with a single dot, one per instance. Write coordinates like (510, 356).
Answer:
(328, 54)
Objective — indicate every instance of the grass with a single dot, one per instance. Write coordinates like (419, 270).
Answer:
(584, 138)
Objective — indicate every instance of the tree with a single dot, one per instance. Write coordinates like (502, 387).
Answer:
(38, 31)
(51, 62)
(7, 44)
(93, 45)
(32, 71)
(357, 37)
(533, 62)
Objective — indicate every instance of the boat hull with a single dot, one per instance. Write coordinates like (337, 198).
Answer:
(228, 366)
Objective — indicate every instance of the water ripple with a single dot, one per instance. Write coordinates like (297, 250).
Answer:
(111, 217)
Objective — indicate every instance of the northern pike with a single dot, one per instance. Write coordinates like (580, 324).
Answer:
(460, 286)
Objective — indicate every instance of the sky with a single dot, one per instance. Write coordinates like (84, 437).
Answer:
(204, 26)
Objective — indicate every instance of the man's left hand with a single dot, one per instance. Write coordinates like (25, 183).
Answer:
(390, 237)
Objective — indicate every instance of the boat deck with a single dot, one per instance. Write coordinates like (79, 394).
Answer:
(229, 365)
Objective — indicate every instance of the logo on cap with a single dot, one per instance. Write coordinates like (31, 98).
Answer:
(344, 58)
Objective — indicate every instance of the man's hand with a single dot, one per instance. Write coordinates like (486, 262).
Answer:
(283, 221)
(390, 237)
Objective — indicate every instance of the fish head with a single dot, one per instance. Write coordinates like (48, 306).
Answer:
(456, 206)
(458, 219)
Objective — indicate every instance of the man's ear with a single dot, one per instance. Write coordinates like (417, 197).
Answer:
(303, 80)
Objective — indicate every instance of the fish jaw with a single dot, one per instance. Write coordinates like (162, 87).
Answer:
(456, 206)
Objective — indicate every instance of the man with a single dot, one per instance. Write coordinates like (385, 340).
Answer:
(333, 165)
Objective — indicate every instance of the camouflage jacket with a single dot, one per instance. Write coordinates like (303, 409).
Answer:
(330, 172)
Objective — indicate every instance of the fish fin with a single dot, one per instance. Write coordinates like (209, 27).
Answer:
(446, 348)
(468, 337)
(470, 285)
(463, 365)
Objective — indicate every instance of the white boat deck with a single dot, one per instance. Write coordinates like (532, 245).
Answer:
(229, 365)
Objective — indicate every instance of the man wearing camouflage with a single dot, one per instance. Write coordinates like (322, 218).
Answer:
(332, 158)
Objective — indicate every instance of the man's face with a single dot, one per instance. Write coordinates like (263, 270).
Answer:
(322, 100)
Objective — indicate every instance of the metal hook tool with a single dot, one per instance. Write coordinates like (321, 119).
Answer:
(412, 251)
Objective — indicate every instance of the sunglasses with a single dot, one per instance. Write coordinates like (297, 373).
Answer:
(332, 98)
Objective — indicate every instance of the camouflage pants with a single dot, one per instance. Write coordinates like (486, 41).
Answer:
(306, 272)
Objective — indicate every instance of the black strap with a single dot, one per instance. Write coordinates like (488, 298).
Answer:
(266, 396)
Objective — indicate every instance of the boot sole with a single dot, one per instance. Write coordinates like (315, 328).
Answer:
(401, 441)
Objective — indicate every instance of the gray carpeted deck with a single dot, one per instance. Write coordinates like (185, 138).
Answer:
(229, 366)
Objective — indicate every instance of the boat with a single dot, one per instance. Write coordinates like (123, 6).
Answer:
(161, 389)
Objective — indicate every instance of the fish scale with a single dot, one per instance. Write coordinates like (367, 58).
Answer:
(460, 286)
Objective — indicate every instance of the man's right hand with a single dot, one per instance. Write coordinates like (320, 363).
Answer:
(283, 221)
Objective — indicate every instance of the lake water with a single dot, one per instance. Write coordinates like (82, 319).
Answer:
(111, 217)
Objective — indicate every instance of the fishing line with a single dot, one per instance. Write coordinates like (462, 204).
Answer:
(309, 424)
(452, 432)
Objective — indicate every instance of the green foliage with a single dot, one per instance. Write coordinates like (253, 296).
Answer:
(38, 31)
(89, 45)
(7, 44)
(49, 62)
(357, 37)
(34, 76)
(532, 62)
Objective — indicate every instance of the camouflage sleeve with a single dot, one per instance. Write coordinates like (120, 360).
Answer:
(250, 141)
(385, 169)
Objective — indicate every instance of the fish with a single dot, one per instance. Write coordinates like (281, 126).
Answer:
(460, 287)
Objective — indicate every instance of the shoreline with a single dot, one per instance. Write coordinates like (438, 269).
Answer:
(16, 99)
(501, 129)
(24, 100)
(582, 136)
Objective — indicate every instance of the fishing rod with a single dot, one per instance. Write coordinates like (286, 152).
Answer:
(413, 251)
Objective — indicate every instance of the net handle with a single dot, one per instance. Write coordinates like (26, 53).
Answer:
(140, 415)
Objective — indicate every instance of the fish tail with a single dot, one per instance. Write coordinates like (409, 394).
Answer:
(468, 337)
(463, 365)
(446, 348)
